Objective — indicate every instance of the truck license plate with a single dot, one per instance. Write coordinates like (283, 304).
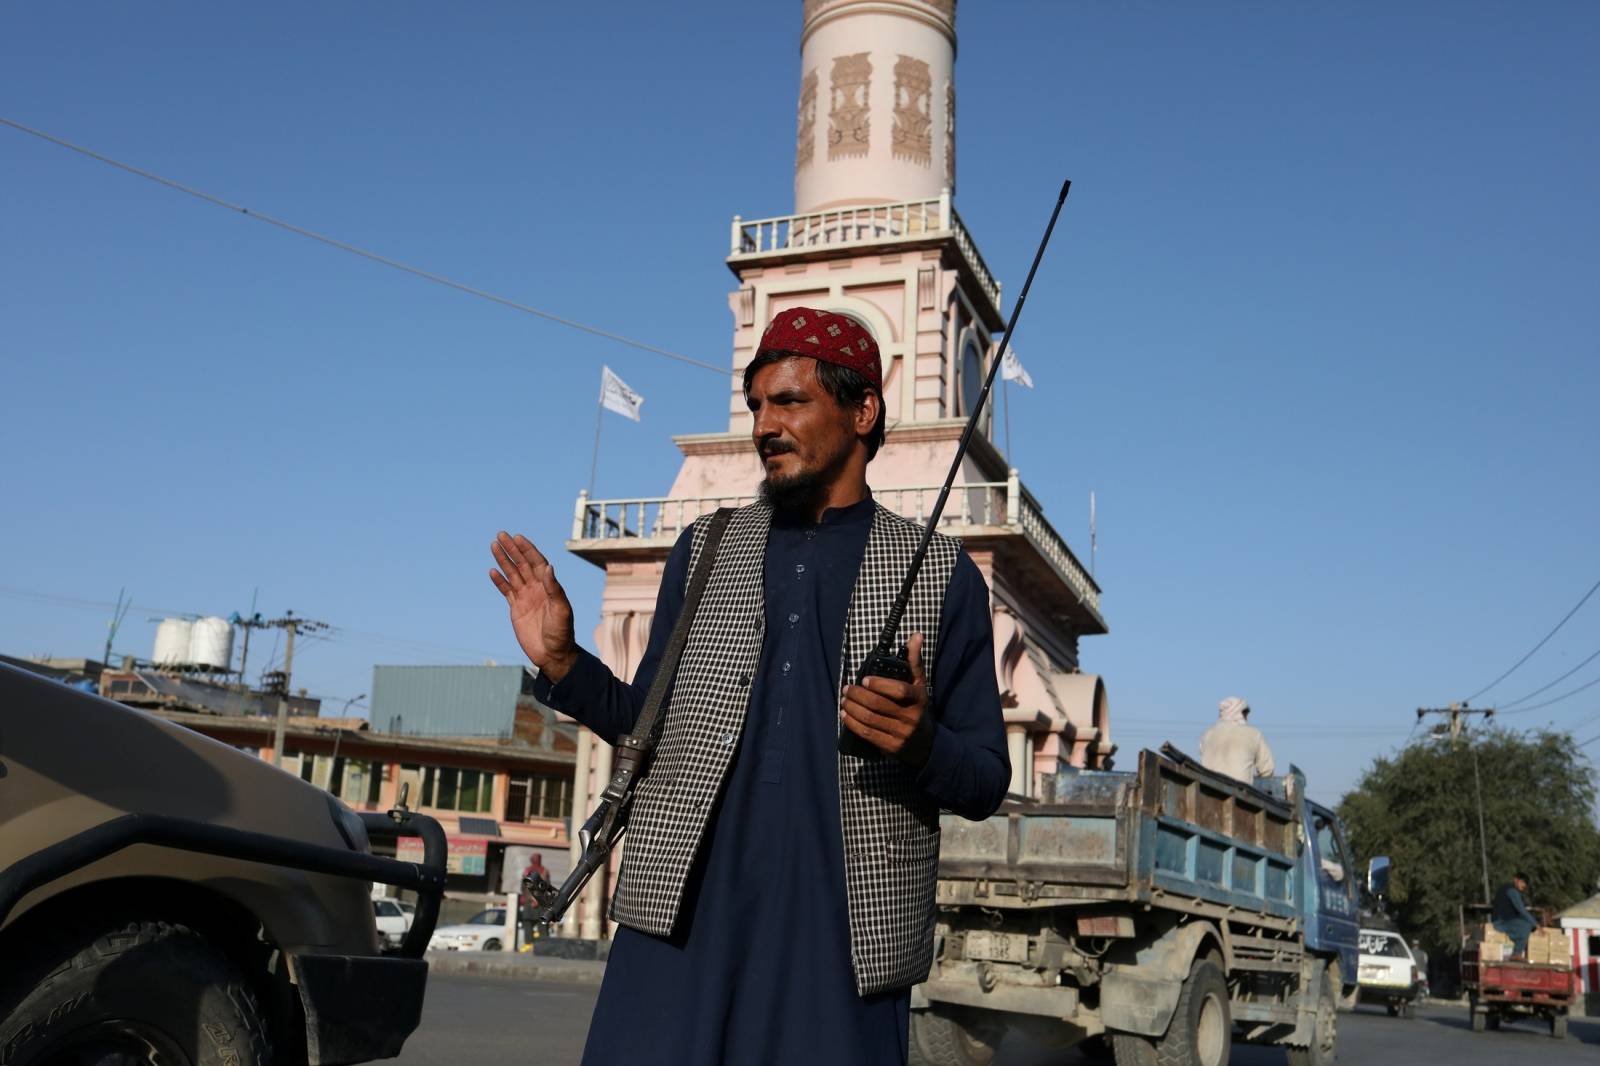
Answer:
(997, 947)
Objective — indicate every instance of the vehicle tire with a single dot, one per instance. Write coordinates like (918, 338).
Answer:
(1475, 1017)
(1096, 1048)
(491, 944)
(944, 1039)
(1325, 1041)
(139, 991)
(1558, 1026)
(1201, 1032)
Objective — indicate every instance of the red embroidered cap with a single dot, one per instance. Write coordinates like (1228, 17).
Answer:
(832, 338)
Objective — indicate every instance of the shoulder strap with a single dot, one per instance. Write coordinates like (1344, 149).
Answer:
(634, 749)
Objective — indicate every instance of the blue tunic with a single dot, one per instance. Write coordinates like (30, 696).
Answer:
(758, 967)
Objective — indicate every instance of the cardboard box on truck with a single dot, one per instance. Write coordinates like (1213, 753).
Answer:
(1549, 947)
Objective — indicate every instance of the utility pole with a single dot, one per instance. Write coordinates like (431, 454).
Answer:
(291, 627)
(117, 616)
(1457, 712)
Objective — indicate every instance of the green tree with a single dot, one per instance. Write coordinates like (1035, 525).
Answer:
(1419, 807)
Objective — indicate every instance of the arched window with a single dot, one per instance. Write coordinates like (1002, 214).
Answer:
(970, 371)
(970, 377)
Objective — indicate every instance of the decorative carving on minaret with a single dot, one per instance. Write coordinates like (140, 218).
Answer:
(913, 111)
(849, 120)
(806, 140)
(950, 134)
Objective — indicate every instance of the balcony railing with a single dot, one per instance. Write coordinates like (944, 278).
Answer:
(861, 226)
(973, 507)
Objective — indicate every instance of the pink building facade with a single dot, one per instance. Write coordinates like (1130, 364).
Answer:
(878, 238)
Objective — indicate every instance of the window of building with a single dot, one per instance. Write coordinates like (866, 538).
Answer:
(447, 788)
(357, 780)
(538, 796)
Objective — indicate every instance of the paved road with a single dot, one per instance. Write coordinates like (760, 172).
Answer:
(534, 1023)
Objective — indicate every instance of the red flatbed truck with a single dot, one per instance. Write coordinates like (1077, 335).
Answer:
(1504, 991)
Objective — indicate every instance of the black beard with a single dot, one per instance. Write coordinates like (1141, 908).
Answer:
(797, 497)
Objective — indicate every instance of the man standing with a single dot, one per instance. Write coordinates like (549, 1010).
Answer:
(1235, 747)
(776, 896)
(1420, 957)
(1511, 914)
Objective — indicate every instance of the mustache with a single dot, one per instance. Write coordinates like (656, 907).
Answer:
(769, 448)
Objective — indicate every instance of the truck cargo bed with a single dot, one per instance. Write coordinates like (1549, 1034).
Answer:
(1172, 830)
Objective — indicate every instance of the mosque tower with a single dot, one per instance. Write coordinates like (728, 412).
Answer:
(875, 235)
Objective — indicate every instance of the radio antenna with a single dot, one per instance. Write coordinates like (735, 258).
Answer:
(884, 660)
(891, 625)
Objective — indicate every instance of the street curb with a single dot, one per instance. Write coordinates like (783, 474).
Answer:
(516, 967)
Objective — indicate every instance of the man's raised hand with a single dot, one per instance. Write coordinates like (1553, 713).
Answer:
(541, 615)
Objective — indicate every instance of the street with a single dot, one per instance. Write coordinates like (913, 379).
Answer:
(492, 1020)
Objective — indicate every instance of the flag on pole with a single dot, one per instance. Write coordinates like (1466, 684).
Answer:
(1011, 369)
(616, 396)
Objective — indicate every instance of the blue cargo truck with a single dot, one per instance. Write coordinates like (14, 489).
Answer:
(1163, 915)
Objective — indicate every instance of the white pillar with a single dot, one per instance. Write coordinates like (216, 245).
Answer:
(1017, 748)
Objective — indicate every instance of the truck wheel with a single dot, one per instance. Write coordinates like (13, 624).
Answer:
(143, 992)
(1325, 1039)
(1558, 1026)
(940, 1039)
(1096, 1048)
(1475, 1016)
(1201, 1033)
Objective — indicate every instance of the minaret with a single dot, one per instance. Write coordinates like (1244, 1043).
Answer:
(877, 103)
(875, 235)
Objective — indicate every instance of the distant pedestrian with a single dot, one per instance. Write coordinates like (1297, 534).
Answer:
(1421, 958)
(1235, 747)
(1511, 914)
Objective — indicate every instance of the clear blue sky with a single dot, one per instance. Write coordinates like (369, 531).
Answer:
(1319, 326)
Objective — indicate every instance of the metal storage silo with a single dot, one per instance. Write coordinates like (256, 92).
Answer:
(211, 644)
(172, 642)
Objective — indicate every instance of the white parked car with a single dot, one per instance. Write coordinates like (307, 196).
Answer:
(484, 931)
(1388, 973)
(393, 920)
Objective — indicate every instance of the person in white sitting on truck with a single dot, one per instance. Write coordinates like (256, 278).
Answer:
(1235, 747)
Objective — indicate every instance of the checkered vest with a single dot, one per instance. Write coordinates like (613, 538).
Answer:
(890, 826)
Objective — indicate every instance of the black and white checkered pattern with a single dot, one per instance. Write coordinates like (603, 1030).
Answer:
(890, 827)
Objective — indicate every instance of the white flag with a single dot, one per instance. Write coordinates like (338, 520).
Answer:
(1011, 369)
(616, 396)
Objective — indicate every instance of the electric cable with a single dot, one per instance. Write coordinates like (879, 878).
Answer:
(1536, 647)
(345, 246)
(1503, 708)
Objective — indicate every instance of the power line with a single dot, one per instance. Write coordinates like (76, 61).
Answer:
(344, 246)
(407, 645)
(1557, 699)
(1536, 647)
(1551, 685)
